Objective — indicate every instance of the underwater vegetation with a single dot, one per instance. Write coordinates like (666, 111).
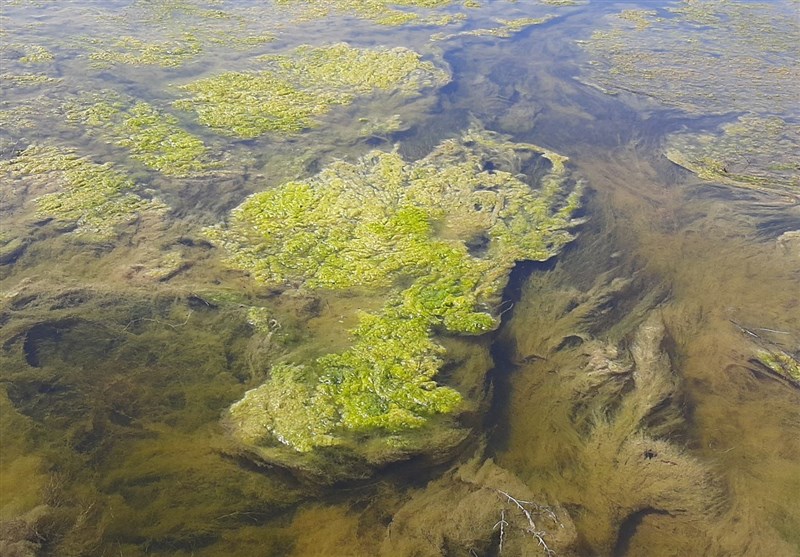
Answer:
(93, 198)
(753, 152)
(36, 54)
(136, 52)
(435, 239)
(383, 12)
(292, 89)
(745, 61)
(154, 138)
(781, 363)
(508, 28)
(25, 80)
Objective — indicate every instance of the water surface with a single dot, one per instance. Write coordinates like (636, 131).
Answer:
(120, 355)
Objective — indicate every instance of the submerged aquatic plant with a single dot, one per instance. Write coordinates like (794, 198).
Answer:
(781, 363)
(293, 89)
(136, 52)
(383, 12)
(24, 80)
(92, 196)
(508, 28)
(154, 138)
(744, 61)
(761, 153)
(436, 239)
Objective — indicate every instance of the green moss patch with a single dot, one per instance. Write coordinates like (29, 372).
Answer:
(294, 89)
(436, 239)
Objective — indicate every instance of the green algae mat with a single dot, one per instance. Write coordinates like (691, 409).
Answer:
(436, 238)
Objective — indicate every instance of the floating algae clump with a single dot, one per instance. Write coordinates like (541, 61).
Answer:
(93, 196)
(703, 55)
(383, 12)
(781, 363)
(436, 239)
(136, 52)
(8, 80)
(293, 89)
(753, 152)
(508, 28)
(36, 54)
(154, 138)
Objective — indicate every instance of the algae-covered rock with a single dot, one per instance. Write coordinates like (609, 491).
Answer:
(94, 198)
(292, 90)
(435, 239)
(153, 137)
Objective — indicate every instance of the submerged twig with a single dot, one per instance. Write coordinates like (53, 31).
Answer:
(532, 529)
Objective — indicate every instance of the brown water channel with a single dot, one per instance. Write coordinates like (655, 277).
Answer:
(628, 414)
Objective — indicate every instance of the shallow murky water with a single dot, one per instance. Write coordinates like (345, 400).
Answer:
(628, 409)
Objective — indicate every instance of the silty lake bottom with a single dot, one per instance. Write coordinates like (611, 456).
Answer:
(631, 392)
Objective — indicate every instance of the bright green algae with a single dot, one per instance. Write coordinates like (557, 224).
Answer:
(153, 137)
(781, 363)
(93, 197)
(436, 239)
(294, 89)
